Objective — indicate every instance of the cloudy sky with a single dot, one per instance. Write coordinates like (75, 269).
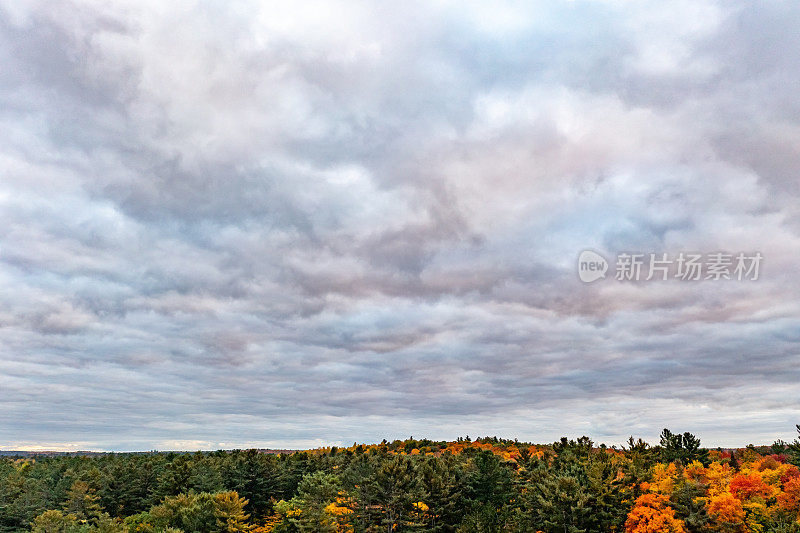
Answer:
(229, 224)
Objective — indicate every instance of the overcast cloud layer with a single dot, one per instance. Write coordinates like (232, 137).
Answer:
(250, 224)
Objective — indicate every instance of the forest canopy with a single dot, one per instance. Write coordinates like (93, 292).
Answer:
(482, 485)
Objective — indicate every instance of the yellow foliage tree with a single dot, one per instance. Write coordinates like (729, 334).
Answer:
(663, 478)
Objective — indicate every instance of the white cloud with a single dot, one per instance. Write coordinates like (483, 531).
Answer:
(277, 225)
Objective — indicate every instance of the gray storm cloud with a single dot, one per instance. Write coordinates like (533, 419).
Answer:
(269, 224)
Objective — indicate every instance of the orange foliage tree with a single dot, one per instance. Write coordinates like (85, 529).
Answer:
(650, 514)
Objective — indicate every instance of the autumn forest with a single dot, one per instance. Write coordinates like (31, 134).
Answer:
(481, 485)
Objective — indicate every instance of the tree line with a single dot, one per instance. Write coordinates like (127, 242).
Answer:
(468, 486)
